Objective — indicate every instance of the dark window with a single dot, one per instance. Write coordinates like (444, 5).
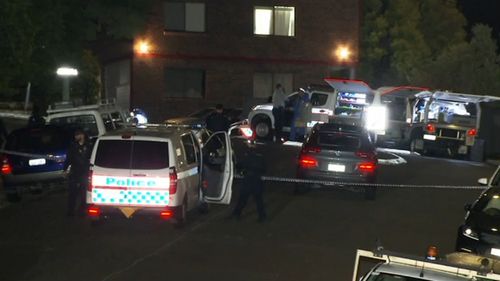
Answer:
(117, 119)
(189, 149)
(318, 99)
(496, 180)
(87, 122)
(108, 124)
(125, 154)
(181, 16)
(46, 140)
(184, 83)
(337, 140)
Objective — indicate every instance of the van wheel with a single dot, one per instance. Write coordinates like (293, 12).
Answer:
(181, 217)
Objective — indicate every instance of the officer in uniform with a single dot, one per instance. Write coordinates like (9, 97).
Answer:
(78, 162)
(216, 121)
(253, 167)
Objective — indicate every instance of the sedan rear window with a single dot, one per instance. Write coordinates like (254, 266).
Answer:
(339, 141)
(132, 154)
(39, 140)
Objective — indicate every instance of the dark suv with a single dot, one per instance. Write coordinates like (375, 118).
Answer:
(338, 153)
(33, 156)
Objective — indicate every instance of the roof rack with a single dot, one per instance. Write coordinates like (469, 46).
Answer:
(450, 266)
(67, 106)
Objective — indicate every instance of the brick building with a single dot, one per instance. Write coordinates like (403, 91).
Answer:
(198, 53)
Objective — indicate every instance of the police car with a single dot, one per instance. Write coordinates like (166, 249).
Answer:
(381, 265)
(158, 171)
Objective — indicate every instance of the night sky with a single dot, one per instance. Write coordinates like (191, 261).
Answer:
(482, 11)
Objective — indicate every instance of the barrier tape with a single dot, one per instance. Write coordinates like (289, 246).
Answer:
(297, 180)
(359, 184)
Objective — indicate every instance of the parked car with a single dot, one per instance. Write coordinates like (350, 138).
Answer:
(33, 157)
(341, 153)
(479, 233)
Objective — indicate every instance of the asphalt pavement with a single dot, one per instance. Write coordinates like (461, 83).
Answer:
(308, 237)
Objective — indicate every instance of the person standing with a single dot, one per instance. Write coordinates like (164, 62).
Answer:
(279, 98)
(78, 163)
(216, 121)
(301, 115)
(253, 167)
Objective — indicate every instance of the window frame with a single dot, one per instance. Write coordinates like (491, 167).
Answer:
(171, 30)
(203, 82)
(272, 24)
(195, 160)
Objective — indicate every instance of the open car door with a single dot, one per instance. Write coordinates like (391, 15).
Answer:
(217, 170)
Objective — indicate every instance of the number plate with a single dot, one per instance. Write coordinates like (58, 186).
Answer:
(336, 168)
(495, 252)
(37, 162)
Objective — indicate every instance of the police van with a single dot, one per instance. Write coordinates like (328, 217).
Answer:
(95, 120)
(158, 171)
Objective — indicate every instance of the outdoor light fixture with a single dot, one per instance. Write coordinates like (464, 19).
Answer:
(143, 47)
(343, 53)
(66, 73)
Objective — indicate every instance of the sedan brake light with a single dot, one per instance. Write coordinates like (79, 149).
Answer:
(430, 128)
(311, 149)
(306, 161)
(6, 167)
(366, 154)
(367, 167)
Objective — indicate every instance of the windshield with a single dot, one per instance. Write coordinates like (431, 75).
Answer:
(392, 277)
(86, 122)
(489, 204)
(126, 154)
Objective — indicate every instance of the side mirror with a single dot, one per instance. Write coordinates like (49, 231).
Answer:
(468, 207)
(482, 181)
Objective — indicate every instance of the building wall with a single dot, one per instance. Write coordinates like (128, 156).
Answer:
(230, 53)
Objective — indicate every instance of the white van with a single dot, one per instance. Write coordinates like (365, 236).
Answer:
(95, 119)
(160, 171)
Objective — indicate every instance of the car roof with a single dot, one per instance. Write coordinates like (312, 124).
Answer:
(157, 131)
(416, 272)
(335, 127)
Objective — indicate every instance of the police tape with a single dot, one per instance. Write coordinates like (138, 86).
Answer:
(361, 184)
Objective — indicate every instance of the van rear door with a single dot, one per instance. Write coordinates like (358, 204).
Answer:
(130, 172)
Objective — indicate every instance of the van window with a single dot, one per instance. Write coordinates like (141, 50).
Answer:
(188, 144)
(126, 154)
(318, 99)
(117, 119)
(86, 122)
(108, 124)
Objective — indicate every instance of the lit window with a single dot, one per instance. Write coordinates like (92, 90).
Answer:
(277, 20)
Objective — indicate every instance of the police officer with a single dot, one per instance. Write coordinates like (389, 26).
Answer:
(216, 121)
(77, 160)
(253, 167)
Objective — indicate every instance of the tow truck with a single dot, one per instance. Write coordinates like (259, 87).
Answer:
(382, 265)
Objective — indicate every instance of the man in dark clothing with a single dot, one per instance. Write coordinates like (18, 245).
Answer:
(217, 122)
(253, 167)
(77, 160)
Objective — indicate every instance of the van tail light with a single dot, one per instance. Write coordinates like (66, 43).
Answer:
(472, 132)
(93, 211)
(306, 161)
(6, 167)
(166, 214)
(90, 183)
(366, 154)
(311, 149)
(173, 181)
(430, 128)
(367, 167)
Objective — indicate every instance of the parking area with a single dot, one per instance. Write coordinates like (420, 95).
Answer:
(307, 237)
